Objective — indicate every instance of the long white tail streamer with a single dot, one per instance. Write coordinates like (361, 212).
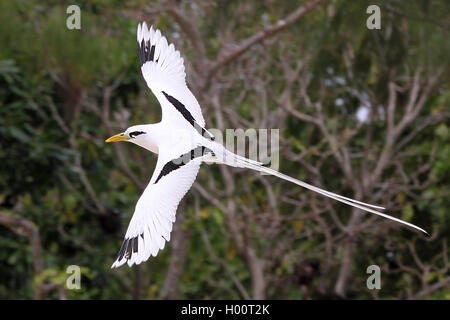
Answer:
(354, 203)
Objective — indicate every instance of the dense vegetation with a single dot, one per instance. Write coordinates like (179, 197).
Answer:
(362, 112)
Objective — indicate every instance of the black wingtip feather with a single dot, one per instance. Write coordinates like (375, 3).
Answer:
(141, 52)
(152, 53)
(129, 248)
(135, 244)
(122, 250)
(145, 52)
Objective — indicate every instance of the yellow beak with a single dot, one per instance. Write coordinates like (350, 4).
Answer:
(118, 137)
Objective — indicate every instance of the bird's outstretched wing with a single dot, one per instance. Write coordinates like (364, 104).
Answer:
(155, 210)
(163, 70)
(154, 215)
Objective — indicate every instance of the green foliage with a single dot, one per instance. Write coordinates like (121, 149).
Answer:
(47, 70)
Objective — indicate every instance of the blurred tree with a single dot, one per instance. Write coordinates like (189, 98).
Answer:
(364, 113)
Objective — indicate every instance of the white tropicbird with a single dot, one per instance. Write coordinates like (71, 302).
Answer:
(182, 144)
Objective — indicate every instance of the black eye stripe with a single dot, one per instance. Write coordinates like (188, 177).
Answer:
(136, 133)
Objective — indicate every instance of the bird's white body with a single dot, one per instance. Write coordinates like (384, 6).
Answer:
(182, 144)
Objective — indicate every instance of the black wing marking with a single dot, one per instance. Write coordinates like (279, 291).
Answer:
(182, 160)
(129, 246)
(145, 52)
(122, 250)
(188, 116)
(152, 53)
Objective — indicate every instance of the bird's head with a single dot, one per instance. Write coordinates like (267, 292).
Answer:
(136, 134)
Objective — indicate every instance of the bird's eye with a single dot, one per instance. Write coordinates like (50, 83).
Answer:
(136, 133)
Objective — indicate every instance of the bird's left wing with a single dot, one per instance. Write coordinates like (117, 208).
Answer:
(163, 70)
(154, 215)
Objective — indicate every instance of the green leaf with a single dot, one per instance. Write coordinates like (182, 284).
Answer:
(407, 212)
(442, 131)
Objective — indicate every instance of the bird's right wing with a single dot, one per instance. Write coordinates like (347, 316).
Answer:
(154, 215)
(163, 70)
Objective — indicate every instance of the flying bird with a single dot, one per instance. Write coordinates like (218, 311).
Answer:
(182, 144)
